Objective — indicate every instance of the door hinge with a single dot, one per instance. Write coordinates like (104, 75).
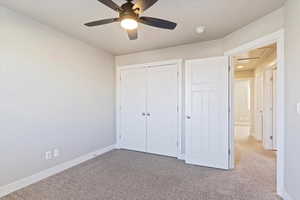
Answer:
(177, 109)
(229, 152)
(120, 78)
(271, 137)
(229, 110)
(229, 68)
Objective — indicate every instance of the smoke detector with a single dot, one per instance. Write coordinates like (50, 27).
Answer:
(200, 29)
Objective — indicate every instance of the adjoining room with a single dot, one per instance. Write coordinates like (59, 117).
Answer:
(254, 109)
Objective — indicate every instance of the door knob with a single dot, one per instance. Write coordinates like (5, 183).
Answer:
(148, 114)
(188, 117)
(144, 114)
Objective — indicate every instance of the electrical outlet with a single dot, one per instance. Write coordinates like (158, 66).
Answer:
(56, 153)
(298, 108)
(48, 155)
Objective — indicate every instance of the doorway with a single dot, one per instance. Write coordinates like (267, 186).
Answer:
(255, 95)
(276, 39)
(255, 110)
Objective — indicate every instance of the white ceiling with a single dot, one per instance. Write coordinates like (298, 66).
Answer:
(220, 17)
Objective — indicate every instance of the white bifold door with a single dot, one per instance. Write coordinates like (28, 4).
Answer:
(207, 106)
(149, 109)
(133, 109)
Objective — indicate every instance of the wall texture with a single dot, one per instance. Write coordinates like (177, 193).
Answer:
(292, 151)
(56, 92)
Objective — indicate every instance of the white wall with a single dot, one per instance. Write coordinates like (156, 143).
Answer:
(292, 151)
(257, 29)
(55, 92)
(190, 51)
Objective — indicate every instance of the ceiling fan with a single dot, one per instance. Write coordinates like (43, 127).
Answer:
(129, 16)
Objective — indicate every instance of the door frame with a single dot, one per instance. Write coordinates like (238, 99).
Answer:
(119, 68)
(278, 38)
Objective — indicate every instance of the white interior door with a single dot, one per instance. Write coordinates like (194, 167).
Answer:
(274, 107)
(259, 94)
(207, 104)
(162, 110)
(242, 102)
(268, 110)
(133, 109)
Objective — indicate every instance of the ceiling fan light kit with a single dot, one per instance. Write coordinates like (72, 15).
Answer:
(129, 24)
(129, 17)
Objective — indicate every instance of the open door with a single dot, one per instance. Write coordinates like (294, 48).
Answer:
(207, 106)
(268, 110)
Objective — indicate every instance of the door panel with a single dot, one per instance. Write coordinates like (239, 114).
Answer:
(274, 108)
(207, 106)
(259, 85)
(242, 102)
(162, 101)
(133, 109)
(268, 110)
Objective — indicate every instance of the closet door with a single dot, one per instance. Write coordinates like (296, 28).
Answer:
(133, 109)
(162, 101)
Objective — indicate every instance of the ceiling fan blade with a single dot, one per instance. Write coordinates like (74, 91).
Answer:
(144, 4)
(159, 23)
(101, 22)
(111, 4)
(132, 34)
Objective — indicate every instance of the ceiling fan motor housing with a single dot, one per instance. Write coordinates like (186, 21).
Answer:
(128, 11)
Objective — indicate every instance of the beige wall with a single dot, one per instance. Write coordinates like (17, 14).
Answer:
(190, 51)
(244, 74)
(292, 151)
(259, 28)
(266, 25)
(56, 92)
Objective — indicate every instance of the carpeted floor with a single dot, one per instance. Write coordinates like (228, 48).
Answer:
(126, 175)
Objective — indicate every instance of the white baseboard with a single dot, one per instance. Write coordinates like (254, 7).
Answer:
(181, 156)
(12, 187)
(286, 196)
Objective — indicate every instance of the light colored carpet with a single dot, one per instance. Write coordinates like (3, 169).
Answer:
(126, 175)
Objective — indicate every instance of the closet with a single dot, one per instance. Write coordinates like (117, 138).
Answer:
(148, 116)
